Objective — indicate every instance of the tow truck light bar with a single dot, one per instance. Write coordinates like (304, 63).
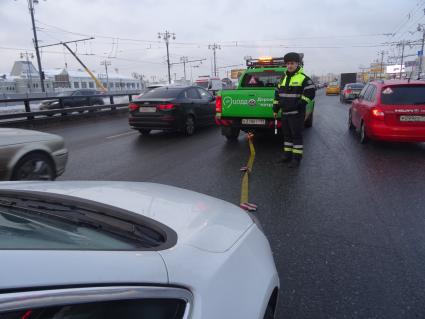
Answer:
(265, 62)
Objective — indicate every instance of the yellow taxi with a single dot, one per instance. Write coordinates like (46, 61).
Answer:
(332, 88)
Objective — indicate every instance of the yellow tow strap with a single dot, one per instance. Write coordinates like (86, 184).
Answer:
(245, 179)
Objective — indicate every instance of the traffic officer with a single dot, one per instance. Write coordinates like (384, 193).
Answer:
(292, 95)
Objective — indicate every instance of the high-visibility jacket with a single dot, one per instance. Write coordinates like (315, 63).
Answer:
(293, 93)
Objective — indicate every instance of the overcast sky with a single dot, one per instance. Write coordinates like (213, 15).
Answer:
(335, 35)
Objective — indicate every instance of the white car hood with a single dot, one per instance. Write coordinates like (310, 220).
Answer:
(11, 136)
(199, 220)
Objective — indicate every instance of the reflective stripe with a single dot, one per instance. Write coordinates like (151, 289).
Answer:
(275, 102)
(298, 146)
(310, 87)
(306, 99)
(287, 149)
(289, 95)
(288, 144)
(290, 113)
(297, 151)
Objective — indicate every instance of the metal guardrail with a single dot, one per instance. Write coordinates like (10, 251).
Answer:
(63, 112)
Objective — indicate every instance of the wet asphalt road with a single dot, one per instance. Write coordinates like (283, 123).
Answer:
(346, 228)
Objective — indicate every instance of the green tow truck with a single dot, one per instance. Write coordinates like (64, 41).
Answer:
(250, 106)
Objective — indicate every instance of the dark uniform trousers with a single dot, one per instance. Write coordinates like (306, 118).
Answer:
(291, 97)
(292, 127)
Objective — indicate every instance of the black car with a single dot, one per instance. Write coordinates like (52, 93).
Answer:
(172, 108)
(74, 99)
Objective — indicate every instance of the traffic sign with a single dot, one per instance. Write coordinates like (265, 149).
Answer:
(420, 53)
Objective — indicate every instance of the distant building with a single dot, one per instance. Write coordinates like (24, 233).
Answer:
(24, 78)
(7, 84)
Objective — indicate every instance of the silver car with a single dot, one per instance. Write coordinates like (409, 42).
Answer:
(31, 155)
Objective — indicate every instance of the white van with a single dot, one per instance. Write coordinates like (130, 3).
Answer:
(212, 84)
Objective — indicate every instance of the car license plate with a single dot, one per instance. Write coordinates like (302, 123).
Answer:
(145, 109)
(412, 118)
(254, 121)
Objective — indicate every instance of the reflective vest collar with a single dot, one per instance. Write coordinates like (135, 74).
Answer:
(297, 79)
(300, 70)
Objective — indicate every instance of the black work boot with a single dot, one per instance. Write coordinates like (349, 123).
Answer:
(285, 159)
(295, 163)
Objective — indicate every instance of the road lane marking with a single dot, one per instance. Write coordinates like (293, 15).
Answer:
(122, 134)
(244, 203)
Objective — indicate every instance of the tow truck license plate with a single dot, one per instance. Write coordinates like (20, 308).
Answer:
(412, 118)
(254, 121)
(149, 109)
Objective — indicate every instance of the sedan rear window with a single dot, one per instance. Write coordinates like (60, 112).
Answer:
(49, 222)
(262, 79)
(18, 230)
(414, 94)
(162, 92)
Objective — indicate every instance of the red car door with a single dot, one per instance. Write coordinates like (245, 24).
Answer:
(368, 102)
(356, 107)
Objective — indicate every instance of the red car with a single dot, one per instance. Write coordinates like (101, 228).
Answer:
(390, 111)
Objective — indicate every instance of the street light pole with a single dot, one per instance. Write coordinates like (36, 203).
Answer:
(421, 27)
(382, 62)
(37, 52)
(29, 76)
(403, 43)
(184, 60)
(167, 36)
(191, 69)
(214, 47)
(106, 63)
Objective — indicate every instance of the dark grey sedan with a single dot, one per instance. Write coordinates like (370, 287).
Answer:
(31, 155)
(74, 99)
(172, 108)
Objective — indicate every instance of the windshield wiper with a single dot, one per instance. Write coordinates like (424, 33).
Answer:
(88, 217)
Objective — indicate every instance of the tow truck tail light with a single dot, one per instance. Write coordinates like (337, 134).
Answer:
(218, 104)
(378, 113)
(133, 106)
(168, 106)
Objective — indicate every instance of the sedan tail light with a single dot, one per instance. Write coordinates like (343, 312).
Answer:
(348, 91)
(218, 104)
(168, 106)
(133, 106)
(378, 113)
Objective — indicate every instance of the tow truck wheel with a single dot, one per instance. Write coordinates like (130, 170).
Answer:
(145, 132)
(230, 133)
